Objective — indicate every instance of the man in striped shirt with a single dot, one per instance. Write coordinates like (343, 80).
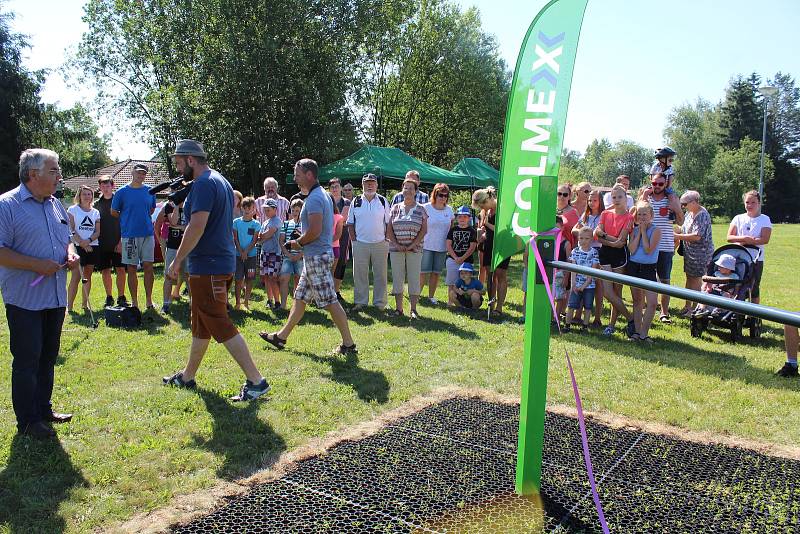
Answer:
(271, 191)
(666, 212)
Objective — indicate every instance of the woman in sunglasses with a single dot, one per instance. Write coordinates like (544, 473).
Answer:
(568, 213)
(434, 246)
(581, 200)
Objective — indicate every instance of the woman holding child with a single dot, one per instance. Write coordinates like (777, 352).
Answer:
(612, 233)
(643, 248)
(405, 232)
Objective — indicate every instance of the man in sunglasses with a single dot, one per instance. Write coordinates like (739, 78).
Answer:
(664, 206)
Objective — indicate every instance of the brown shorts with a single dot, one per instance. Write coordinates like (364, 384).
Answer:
(210, 307)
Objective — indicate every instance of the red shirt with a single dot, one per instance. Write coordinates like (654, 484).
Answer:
(570, 220)
(613, 223)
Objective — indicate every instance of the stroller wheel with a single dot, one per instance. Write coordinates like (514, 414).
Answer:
(736, 330)
(696, 327)
(755, 328)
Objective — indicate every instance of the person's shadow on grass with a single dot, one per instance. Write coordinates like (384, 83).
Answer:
(369, 385)
(246, 442)
(38, 476)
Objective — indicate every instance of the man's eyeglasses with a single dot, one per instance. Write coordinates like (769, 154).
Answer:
(565, 195)
(658, 184)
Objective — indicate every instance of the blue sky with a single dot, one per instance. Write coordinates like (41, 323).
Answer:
(637, 59)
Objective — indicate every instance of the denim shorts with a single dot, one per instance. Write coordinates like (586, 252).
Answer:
(432, 261)
(664, 265)
(289, 267)
(585, 298)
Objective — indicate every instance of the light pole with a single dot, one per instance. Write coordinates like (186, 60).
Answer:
(766, 91)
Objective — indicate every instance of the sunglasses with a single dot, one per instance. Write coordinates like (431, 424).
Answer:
(443, 195)
(565, 195)
(684, 204)
(658, 184)
(586, 191)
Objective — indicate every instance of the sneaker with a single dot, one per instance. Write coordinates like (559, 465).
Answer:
(165, 308)
(251, 391)
(177, 381)
(433, 301)
(630, 328)
(109, 301)
(608, 331)
(122, 301)
(788, 371)
(566, 328)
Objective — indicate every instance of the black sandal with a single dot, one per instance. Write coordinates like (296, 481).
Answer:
(273, 339)
(345, 350)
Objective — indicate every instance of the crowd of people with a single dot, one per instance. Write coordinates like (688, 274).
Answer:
(216, 240)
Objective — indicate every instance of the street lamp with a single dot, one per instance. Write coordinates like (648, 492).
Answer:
(766, 91)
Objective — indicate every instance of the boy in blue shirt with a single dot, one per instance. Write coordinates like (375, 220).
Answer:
(271, 252)
(469, 290)
(245, 237)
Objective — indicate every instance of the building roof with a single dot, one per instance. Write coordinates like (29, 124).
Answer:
(122, 173)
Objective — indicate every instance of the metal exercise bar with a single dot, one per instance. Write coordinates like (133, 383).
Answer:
(738, 306)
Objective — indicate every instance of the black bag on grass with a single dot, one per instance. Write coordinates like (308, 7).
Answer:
(123, 316)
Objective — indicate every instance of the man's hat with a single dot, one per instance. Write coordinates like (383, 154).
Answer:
(463, 210)
(189, 147)
(271, 203)
(466, 266)
(140, 167)
(369, 176)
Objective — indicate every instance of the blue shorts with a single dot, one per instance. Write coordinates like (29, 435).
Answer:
(664, 265)
(289, 267)
(432, 261)
(585, 298)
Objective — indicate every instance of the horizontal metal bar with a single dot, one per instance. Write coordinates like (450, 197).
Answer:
(746, 308)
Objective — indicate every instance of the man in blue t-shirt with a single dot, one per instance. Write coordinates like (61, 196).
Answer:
(208, 245)
(316, 281)
(134, 205)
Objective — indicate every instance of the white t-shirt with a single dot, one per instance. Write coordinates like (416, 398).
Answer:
(607, 201)
(85, 221)
(439, 222)
(752, 226)
(369, 218)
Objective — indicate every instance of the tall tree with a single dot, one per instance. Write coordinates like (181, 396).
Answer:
(74, 135)
(19, 99)
(740, 113)
(783, 115)
(733, 172)
(693, 131)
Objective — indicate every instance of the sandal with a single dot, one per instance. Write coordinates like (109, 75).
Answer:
(273, 339)
(414, 315)
(665, 319)
(647, 339)
(345, 350)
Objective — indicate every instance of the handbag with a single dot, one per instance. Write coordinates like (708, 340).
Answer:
(680, 250)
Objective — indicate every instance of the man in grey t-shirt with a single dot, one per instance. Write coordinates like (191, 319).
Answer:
(316, 281)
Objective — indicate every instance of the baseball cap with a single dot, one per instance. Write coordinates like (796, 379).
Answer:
(140, 167)
(463, 210)
(271, 203)
(369, 176)
(726, 261)
(466, 266)
(189, 147)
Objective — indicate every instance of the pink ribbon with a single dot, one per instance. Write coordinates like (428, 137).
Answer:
(578, 405)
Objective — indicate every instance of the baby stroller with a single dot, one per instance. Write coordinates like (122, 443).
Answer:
(739, 289)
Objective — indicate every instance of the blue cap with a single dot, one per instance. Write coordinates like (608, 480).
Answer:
(466, 266)
(463, 210)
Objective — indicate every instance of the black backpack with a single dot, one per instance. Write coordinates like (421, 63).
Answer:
(123, 316)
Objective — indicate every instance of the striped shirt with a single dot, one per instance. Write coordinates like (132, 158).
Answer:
(661, 220)
(420, 197)
(406, 225)
(282, 211)
(36, 229)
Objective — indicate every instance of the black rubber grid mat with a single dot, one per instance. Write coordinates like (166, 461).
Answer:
(450, 468)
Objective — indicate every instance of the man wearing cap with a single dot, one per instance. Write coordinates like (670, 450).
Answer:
(134, 205)
(35, 254)
(208, 246)
(421, 197)
(366, 222)
(316, 280)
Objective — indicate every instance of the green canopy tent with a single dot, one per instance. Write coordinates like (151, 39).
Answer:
(481, 172)
(390, 163)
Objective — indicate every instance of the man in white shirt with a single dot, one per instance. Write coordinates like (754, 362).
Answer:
(625, 181)
(366, 222)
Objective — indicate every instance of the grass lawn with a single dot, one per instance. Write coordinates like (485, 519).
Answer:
(135, 444)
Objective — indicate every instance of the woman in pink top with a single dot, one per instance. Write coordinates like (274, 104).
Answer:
(338, 225)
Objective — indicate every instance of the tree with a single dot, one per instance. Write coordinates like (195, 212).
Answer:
(694, 132)
(74, 135)
(441, 86)
(597, 165)
(733, 172)
(603, 162)
(19, 98)
(783, 116)
(740, 114)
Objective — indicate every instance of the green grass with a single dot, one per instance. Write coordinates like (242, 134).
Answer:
(134, 444)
